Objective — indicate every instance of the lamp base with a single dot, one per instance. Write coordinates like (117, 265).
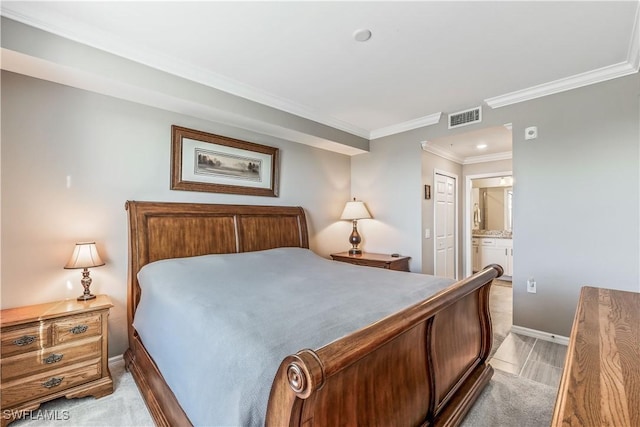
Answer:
(86, 282)
(355, 240)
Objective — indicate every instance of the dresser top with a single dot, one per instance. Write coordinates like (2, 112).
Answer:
(50, 310)
(601, 379)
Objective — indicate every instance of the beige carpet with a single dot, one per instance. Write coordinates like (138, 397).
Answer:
(510, 401)
(507, 401)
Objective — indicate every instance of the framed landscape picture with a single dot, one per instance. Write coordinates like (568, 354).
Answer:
(203, 161)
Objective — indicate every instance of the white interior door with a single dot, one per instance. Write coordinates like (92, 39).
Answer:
(445, 226)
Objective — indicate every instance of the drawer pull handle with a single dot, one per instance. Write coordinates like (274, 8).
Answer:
(25, 340)
(54, 358)
(80, 329)
(53, 382)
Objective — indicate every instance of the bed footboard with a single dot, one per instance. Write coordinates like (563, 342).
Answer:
(424, 365)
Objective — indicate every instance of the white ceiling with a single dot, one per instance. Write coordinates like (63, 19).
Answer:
(422, 59)
(490, 143)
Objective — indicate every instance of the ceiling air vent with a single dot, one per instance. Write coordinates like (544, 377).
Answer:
(466, 117)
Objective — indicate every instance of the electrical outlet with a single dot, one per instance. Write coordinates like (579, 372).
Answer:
(531, 285)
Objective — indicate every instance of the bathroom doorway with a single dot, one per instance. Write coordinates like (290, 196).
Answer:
(488, 224)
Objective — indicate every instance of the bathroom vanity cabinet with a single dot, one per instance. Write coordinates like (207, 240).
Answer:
(492, 250)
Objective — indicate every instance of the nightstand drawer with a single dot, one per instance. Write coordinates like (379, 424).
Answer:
(24, 339)
(25, 389)
(26, 364)
(75, 328)
(367, 263)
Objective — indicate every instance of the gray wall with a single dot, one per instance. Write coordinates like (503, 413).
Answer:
(487, 167)
(576, 199)
(388, 180)
(114, 151)
(576, 195)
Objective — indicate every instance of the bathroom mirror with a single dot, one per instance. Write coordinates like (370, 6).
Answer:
(492, 208)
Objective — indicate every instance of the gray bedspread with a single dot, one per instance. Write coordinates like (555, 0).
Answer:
(218, 326)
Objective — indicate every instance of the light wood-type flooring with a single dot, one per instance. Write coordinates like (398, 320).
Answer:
(528, 357)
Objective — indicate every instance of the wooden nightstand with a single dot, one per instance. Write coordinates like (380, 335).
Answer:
(400, 263)
(53, 350)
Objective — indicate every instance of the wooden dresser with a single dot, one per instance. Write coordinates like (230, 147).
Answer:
(53, 350)
(600, 385)
(400, 263)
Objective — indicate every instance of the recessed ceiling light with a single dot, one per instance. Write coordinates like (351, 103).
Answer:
(362, 35)
(481, 146)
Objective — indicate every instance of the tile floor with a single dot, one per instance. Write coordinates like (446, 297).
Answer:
(532, 358)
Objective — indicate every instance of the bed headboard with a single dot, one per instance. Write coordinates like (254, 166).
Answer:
(161, 230)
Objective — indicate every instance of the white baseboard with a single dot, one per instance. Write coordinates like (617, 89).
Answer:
(546, 336)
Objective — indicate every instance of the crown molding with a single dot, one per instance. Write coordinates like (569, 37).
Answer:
(488, 158)
(446, 154)
(429, 120)
(561, 85)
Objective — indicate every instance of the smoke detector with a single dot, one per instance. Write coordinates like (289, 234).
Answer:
(362, 35)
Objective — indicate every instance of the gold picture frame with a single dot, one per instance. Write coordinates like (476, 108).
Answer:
(202, 161)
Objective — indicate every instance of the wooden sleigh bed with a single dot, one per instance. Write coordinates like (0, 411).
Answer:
(424, 365)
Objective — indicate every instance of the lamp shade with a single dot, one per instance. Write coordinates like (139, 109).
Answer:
(84, 255)
(355, 210)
